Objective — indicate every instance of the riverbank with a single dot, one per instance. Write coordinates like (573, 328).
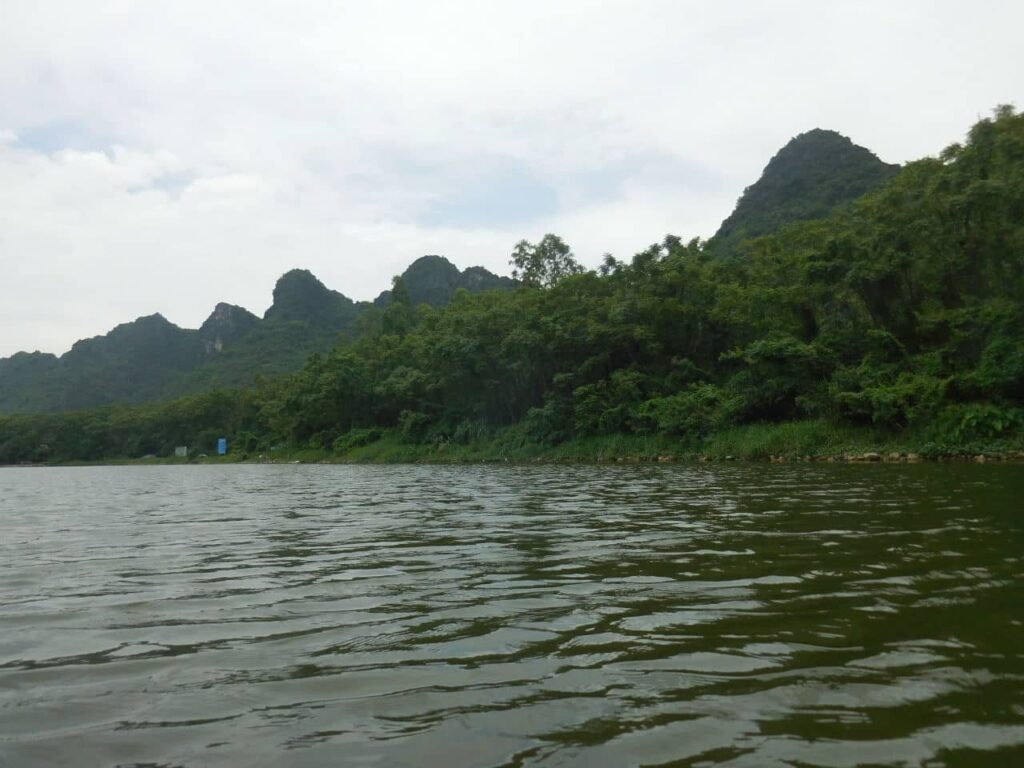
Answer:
(793, 441)
(802, 441)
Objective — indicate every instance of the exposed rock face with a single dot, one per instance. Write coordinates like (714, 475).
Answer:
(225, 325)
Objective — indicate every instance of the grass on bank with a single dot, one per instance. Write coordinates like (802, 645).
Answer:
(814, 439)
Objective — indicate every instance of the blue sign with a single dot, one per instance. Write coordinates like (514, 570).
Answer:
(222, 446)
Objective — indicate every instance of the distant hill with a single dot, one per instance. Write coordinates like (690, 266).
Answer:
(434, 280)
(151, 358)
(305, 317)
(813, 175)
(131, 363)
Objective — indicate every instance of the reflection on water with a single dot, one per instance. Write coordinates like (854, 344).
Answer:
(739, 615)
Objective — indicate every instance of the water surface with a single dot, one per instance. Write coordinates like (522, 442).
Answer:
(729, 615)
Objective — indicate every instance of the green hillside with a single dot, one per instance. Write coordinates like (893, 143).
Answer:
(434, 280)
(899, 320)
(152, 359)
(811, 177)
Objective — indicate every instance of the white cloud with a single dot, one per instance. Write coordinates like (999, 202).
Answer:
(166, 156)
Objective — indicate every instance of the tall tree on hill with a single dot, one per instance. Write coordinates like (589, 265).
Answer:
(544, 264)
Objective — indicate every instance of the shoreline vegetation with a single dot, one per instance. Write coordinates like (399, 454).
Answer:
(892, 330)
(793, 442)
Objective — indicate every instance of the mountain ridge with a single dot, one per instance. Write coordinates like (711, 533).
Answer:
(151, 358)
(433, 280)
(814, 174)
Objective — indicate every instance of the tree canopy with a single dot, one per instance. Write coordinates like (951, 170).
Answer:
(544, 264)
(903, 311)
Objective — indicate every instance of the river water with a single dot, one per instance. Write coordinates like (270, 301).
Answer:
(700, 615)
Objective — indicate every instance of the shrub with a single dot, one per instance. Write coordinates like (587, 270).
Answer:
(356, 438)
(695, 412)
(414, 426)
(969, 422)
(551, 423)
(871, 395)
(608, 406)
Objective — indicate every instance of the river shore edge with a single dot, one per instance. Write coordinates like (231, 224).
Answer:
(790, 442)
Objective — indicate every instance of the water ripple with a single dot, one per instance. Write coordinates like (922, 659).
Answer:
(512, 616)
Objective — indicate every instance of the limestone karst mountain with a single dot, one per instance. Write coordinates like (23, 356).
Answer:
(811, 177)
(151, 358)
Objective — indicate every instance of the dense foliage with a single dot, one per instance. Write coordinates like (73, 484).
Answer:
(814, 175)
(904, 312)
(151, 358)
(434, 280)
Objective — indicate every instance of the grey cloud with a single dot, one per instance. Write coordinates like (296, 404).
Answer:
(166, 156)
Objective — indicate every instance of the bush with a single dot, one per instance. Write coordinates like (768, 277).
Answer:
(608, 406)
(356, 438)
(969, 422)
(414, 426)
(866, 394)
(695, 412)
(776, 371)
(550, 424)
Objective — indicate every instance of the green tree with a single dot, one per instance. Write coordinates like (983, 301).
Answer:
(544, 264)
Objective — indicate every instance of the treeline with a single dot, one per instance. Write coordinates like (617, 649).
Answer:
(904, 312)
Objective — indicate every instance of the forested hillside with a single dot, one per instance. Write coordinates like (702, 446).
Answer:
(152, 359)
(434, 280)
(813, 176)
(902, 313)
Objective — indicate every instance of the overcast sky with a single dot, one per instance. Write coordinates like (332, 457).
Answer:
(164, 156)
